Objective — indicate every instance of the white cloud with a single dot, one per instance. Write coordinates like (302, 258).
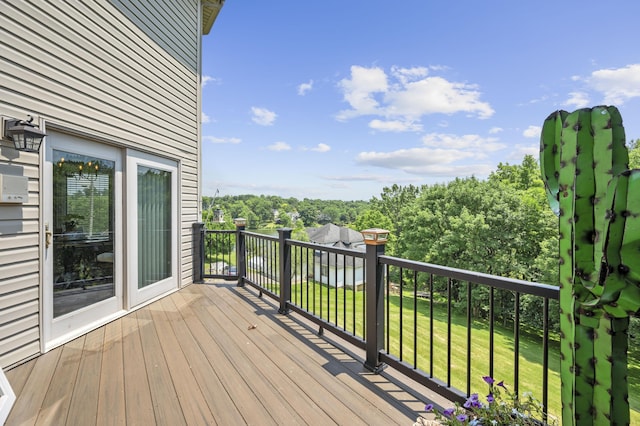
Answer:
(411, 94)
(495, 130)
(214, 139)
(472, 143)
(208, 79)
(321, 147)
(532, 132)
(395, 126)
(205, 118)
(618, 85)
(279, 146)
(305, 87)
(517, 152)
(359, 177)
(359, 90)
(425, 161)
(578, 100)
(436, 95)
(263, 116)
(442, 155)
(405, 75)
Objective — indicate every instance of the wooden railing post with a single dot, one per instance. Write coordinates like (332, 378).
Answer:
(284, 269)
(375, 240)
(198, 251)
(241, 260)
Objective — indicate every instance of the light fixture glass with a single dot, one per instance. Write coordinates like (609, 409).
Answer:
(25, 136)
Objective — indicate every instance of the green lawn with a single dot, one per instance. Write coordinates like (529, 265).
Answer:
(323, 301)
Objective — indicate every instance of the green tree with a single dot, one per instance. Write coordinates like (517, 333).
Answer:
(392, 202)
(484, 226)
(374, 219)
(634, 154)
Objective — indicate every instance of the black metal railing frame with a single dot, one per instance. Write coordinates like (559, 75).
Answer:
(274, 280)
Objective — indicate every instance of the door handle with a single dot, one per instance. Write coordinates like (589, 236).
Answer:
(47, 236)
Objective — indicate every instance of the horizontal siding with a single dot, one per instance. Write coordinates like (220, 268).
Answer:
(19, 347)
(19, 264)
(17, 240)
(121, 72)
(18, 256)
(16, 284)
(18, 325)
(100, 76)
(25, 305)
(161, 21)
(22, 226)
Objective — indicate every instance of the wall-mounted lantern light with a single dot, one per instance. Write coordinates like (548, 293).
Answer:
(25, 136)
(375, 236)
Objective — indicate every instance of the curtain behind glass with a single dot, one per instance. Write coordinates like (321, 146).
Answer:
(154, 225)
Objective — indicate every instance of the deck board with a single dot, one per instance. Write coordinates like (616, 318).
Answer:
(212, 388)
(239, 390)
(83, 408)
(111, 402)
(35, 389)
(194, 406)
(55, 406)
(191, 358)
(138, 404)
(166, 405)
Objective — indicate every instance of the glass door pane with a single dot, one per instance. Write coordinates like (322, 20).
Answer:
(83, 231)
(154, 225)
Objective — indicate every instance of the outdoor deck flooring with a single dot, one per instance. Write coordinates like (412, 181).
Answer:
(195, 357)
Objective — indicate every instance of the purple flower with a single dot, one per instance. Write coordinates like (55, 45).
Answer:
(428, 408)
(489, 380)
(473, 402)
(501, 384)
(462, 417)
(448, 412)
(490, 398)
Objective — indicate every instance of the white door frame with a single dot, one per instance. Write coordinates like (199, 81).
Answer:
(137, 296)
(56, 331)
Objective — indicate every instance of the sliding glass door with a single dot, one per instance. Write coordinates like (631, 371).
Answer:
(83, 236)
(153, 218)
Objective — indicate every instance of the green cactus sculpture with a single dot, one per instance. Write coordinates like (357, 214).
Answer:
(584, 163)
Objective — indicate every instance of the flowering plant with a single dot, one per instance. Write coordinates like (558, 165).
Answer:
(501, 407)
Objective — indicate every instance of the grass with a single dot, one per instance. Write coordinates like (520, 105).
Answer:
(338, 307)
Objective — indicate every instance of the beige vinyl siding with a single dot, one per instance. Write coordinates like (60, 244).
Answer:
(19, 264)
(120, 72)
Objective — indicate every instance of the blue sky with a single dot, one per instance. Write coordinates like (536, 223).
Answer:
(340, 98)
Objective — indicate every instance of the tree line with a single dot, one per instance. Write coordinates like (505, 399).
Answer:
(501, 225)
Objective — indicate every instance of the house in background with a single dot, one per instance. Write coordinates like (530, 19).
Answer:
(337, 271)
(98, 221)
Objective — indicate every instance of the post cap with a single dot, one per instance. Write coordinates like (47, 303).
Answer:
(375, 236)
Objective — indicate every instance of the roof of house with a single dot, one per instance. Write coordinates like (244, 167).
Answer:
(335, 236)
(210, 10)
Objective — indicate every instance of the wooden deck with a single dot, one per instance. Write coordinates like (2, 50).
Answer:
(208, 354)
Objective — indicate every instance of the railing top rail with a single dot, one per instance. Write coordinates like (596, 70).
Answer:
(322, 247)
(263, 236)
(513, 284)
(219, 231)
